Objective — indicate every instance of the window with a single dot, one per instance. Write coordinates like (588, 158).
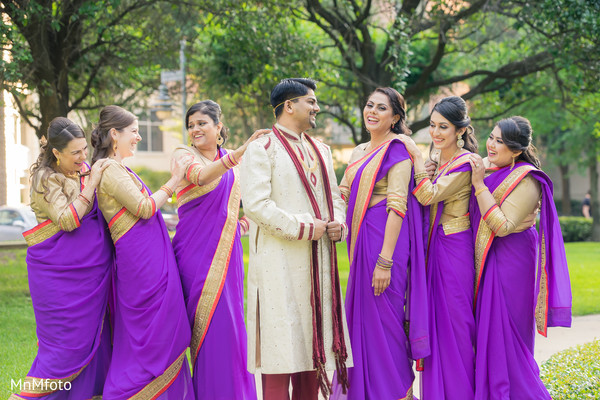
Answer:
(152, 138)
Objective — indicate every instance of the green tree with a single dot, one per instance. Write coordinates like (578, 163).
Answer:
(82, 54)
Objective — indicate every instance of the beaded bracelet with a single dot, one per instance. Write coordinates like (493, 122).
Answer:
(167, 190)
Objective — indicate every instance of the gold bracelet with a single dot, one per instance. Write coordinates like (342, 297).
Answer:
(480, 190)
(167, 190)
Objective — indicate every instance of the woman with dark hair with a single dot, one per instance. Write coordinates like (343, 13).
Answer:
(521, 276)
(386, 298)
(210, 256)
(448, 373)
(151, 331)
(69, 263)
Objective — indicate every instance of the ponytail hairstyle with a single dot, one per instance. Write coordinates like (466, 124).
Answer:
(110, 117)
(398, 108)
(454, 109)
(517, 135)
(213, 111)
(60, 132)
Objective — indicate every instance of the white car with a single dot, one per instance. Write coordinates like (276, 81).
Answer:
(14, 220)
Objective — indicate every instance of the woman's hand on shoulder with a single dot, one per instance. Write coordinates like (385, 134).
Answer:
(257, 133)
(411, 146)
(430, 167)
(179, 165)
(97, 170)
(477, 169)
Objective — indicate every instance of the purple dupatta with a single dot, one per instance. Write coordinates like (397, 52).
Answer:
(151, 331)
(520, 277)
(210, 260)
(381, 349)
(69, 277)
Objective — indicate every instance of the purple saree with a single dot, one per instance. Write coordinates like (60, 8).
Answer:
(381, 349)
(449, 372)
(69, 281)
(521, 279)
(151, 331)
(210, 261)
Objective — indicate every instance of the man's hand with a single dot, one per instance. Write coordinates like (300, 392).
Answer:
(320, 228)
(334, 231)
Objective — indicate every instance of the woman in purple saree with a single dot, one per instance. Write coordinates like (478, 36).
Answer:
(210, 257)
(386, 298)
(151, 331)
(449, 372)
(522, 278)
(69, 262)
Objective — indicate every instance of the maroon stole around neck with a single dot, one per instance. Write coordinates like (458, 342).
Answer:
(339, 345)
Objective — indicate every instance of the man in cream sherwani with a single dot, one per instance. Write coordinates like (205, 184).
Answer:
(289, 190)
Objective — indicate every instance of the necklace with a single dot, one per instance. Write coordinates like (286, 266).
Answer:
(447, 165)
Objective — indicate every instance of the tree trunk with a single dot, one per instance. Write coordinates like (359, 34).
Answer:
(3, 178)
(595, 207)
(566, 190)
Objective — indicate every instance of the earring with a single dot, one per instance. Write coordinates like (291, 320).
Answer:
(220, 140)
(460, 142)
(513, 162)
(57, 162)
(393, 125)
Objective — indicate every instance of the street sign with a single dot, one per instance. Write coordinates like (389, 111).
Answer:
(171, 76)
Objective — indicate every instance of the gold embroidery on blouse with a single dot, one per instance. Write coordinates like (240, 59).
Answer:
(215, 279)
(161, 383)
(456, 225)
(495, 219)
(195, 191)
(541, 306)
(363, 195)
(41, 232)
(396, 203)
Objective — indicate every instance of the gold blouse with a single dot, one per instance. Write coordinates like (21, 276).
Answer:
(454, 190)
(518, 211)
(122, 199)
(189, 189)
(394, 186)
(54, 210)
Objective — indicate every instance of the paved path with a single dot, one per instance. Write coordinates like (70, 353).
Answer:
(583, 330)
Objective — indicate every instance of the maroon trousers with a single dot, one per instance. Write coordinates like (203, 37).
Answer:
(277, 386)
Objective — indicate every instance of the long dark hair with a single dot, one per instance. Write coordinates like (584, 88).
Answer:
(60, 132)
(110, 117)
(398, 108)
(213, 110)
(454, 109)
(517, 135)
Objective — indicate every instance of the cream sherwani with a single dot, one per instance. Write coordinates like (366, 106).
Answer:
(279, 317)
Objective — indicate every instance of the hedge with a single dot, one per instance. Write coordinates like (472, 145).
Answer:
(576, 229)
(574, 374)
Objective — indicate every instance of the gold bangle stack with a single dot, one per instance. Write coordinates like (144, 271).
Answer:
(384, 263)
(167, 190)
(480, 190)
(229, 161)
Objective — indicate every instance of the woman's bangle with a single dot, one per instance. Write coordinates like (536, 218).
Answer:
(480, 190)
(84, 199)
(167, 190)
(420, 175)
(384, 263)
(229, 161)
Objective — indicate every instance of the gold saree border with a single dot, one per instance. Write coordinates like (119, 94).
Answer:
(193, 191)
(215, 279)
(41, 232)
(161, 383)
(121, 223)
(541, 306)
(485, 236)
(365, 188)
(457, 225)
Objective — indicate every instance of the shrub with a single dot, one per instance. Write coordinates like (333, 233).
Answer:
(576, 229)
(574, 374)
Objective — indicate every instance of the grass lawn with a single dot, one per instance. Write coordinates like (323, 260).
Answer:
(17, 323)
